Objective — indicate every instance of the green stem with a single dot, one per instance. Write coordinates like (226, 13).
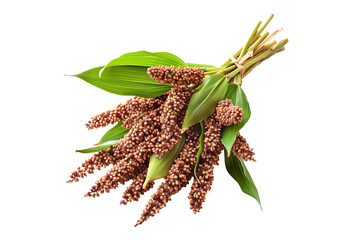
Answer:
(229, 59)
(273, 42)
(211, 72)
(258, 58)
(238, 79)
(254, 39)
(267, 46)
(280, 45)
(233, 73)
(247, 44)
(251, 62)
(258, 41)
(237, 54)
(213, 69)
(229, 69)
(250, 69)
(265, 25)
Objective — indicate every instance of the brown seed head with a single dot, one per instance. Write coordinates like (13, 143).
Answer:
(209, 158)
(171, 119)
(227, 113)
(178, 177)
(181, 76)
(242, 150)
(99, 160)
(135, 106)
(135, 190)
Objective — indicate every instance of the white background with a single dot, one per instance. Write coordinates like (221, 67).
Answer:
(304, 127)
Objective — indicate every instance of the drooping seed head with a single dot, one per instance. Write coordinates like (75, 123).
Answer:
(178, 177)
(242, 150)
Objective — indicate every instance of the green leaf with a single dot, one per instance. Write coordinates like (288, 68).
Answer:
(238, 98)
(199, 65)
(237, 169)
(201, 148)
(125, 80)
(203, 102)
(159, 168)
(97, 148)
(110, 138)
(115, 133)
(148, 59)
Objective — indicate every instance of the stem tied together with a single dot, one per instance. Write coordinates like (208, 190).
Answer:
(258, 48)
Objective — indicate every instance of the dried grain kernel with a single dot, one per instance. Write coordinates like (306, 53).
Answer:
(181, 76)
(242, 150)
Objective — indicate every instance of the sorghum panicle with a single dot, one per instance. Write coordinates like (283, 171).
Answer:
(178, 177)
(209, 158)
(134, 150)
(181, 76)
(225, 115)
(99, 160)
(171, 119)
(135, 190)
(122, 172)
(242, 150)
(132, 107)
(146, 127)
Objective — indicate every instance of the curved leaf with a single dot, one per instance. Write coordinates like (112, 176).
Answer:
(159, 168)
(125, 80)
(148, 59)
(201, 148)
(115, 133)
(237, 169)
(238, 98)
(97, 148)
(203, 102)
(199, 65)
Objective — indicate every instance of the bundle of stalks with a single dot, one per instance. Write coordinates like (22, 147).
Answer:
(182, 118)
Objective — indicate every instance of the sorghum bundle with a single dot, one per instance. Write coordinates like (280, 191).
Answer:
(183, 116)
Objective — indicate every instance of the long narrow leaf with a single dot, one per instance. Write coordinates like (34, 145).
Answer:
(201, 148)
(97, 148)
(237, 169)
(199, 65)
(238, 98)
(125, 80)
(115, 133)
(147, 59)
